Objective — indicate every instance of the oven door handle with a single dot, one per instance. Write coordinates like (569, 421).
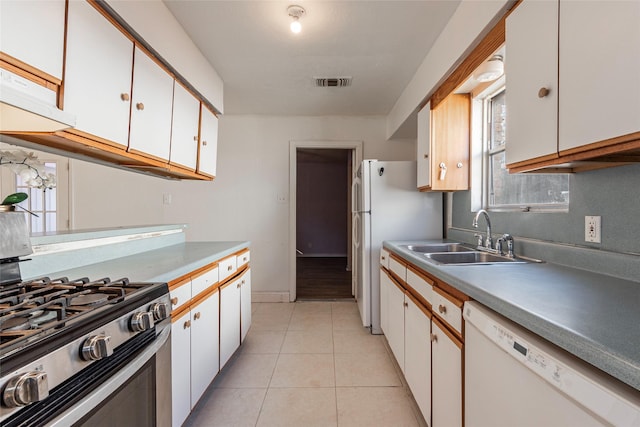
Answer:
(83, 407)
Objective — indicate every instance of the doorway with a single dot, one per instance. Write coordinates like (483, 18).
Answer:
(320, 218)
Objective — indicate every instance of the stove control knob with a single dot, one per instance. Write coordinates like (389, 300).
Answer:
(96, 347)
(25, 389)
(141, 321)
(160, 310)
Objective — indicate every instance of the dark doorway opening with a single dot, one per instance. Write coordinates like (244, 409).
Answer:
(323, 223)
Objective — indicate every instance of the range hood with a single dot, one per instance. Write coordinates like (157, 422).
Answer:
(28, 107)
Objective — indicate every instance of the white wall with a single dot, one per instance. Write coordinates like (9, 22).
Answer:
(253, 168)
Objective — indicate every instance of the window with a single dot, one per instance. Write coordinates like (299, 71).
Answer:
(506, 191)
(42, 203)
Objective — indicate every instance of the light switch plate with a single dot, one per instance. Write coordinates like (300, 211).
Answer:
(592, 229)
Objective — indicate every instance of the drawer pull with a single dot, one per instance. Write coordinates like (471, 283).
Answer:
(442, 309)
(174, 301)
(187, 324)
(196, 316)
(230, 268)
(124, 96)
(140, 106)
(543, 92)
(434, 338)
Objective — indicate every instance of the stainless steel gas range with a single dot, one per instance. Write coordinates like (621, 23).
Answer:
(81, 351)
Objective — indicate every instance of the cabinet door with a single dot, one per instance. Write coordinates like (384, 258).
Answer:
(33, 32)
(417, 356)
(450, 144)
(229, 321)
(446, 353)
(599, 71)
(531, 64)
(184, 129)
(97, 81)
(204, 345)
(423, 146)
(385, 284)
(207, 157)
(245, 304)
(181, 368)
(152, 98)
(395, 322)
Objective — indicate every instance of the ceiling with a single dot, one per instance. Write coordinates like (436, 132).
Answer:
(267, 69)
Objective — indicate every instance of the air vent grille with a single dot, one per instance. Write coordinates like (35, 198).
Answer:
(333, 81)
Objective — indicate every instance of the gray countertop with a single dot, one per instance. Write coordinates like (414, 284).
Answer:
(593, 316)
(158, 265)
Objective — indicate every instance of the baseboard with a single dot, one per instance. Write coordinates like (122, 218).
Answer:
(270, 297)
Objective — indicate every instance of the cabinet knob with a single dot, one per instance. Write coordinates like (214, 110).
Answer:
(174, 301)
(238, 285)
(459, 165)
(195, 138)
(196, 316)
(187, 324)
(442, 309)
(140, 106)
(124, 96)
(434, 338)
(229, 268)
(426, 156)
(543, 92)
(406, 304)
(383, 258)
(204, 142)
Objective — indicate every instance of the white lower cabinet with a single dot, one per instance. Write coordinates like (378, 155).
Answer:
(245, 304)
(395, 333)
(417, 354)
(180, 368)
(235, 314)
(446, 377)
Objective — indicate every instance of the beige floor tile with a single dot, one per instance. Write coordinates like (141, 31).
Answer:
(310, 321)
(304, 370)
(226, 407)
(270, 321)
(365, 370)
(263, 341)
(312, 307)
(374, 406)
(347, 322)
(344, 307)
(354, 341)
(297, 407)
(247, 371)
(309, 341)
(276, 307)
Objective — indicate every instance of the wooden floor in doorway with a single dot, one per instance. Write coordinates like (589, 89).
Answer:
(322, 278)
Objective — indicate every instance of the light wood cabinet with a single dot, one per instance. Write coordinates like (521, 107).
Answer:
(208, 151)
(152, 103)
(446, 353)
(423, 147)
(97, 83)
(567, 100)
(184, 128)
(32, 32)
(449, 144)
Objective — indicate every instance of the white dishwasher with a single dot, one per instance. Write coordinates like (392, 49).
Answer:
(514, 378)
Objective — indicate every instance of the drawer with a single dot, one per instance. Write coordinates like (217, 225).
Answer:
(422, 286)
(398, 268)
(243, 258)
(384, 258)
(180, 295)
(227, 267)
(448, 309)
(204, 281)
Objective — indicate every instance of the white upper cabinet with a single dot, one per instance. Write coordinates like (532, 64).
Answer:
(184, 130)
(423, 146)
(33, 32)
(152, 101)
(208, 143)
(531, 69)
(599, 71)
(97, 83)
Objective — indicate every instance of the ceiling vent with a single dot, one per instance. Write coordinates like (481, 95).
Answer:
(333, 81)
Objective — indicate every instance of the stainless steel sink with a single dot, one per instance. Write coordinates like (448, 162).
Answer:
(438, 247)
(466, 258)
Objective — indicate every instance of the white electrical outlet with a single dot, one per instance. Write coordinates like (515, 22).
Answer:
(166, 198)
(592, 229)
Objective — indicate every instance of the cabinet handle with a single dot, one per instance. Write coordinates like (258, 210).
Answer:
(543, 92)
(230, 268)
(174, 301)
(406, 304)
(426, 156)
(196, 316)
(187, 324)
(238, 285)
(243, 282)
(442, 309)
(140, 106)
(459, 165)
(383, 258)
(434, 338)
(195, 138)
(124, 96)
(204, 142)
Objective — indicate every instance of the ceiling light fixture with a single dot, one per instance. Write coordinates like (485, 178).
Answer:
(296, 12)
(490, 70)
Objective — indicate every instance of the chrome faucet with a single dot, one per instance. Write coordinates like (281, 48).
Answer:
(505, 238)
(488, 243)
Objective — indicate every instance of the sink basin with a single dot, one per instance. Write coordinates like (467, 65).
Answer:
(438, 247)
(466, 258)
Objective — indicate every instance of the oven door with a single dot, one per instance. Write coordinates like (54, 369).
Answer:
(131, 387)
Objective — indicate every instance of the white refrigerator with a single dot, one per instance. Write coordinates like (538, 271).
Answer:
(386, 205)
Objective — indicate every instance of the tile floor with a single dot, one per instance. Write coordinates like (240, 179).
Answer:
(308, 364)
